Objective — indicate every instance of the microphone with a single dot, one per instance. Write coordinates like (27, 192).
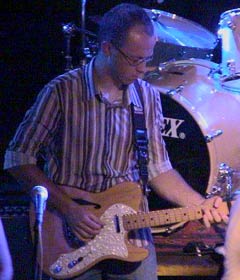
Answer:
(39, 195)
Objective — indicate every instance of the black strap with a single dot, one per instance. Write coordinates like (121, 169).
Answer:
(140, 139)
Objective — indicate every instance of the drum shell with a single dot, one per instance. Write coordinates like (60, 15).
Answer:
(211, 108)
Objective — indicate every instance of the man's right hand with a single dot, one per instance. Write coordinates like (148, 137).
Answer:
(84, 224)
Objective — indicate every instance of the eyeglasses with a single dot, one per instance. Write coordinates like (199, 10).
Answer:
(134, 61)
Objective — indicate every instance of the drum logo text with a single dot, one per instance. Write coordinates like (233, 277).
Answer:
(171, 128)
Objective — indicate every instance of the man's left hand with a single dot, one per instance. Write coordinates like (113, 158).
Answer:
(212, 211)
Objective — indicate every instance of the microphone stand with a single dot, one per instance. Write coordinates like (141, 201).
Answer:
(37, 250)
(39, 197)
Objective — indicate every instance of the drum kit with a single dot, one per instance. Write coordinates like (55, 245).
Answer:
(200, 98)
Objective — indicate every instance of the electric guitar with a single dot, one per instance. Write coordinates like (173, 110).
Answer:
(64, 256)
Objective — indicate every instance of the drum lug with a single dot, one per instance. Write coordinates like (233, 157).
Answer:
(231, 25)
(231, 65)
(174, 91)
(215, 72)
(214, 134)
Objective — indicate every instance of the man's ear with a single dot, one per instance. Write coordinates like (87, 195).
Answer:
(106, 48)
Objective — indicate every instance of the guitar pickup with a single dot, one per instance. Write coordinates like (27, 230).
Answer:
(116, 223)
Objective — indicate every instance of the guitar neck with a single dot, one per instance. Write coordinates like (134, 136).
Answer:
(161, 217)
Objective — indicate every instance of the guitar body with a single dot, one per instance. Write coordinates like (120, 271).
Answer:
(63, 259)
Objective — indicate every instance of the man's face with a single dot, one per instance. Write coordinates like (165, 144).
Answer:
(128, 62)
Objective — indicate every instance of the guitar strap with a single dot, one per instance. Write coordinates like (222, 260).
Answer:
(140, 140)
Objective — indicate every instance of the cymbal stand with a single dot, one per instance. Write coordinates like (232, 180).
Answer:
(88, 47)
(83, 41)
(69, 30)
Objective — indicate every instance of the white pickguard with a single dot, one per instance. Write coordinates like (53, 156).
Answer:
(107, 243)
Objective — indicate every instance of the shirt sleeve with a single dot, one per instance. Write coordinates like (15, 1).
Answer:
(36, 131)
(158, 156)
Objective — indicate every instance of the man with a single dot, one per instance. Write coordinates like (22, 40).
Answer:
(81, 124)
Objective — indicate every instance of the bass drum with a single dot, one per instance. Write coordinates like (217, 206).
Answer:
(201, 122)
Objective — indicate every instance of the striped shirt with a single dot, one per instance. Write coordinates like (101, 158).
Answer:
(85, 140)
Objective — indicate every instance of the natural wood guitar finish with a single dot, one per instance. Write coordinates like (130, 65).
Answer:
(118, 207)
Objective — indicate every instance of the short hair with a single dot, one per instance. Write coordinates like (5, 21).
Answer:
(116, 23)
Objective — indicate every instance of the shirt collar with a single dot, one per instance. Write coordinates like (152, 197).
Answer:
(130, 96)
(133, 96)
(88, 80)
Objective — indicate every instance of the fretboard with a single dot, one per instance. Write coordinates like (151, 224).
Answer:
(161, 217)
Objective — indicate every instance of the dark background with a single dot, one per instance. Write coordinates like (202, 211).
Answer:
(32, 53)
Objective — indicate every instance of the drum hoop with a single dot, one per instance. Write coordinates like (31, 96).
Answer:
(193, 62)
(232, 12)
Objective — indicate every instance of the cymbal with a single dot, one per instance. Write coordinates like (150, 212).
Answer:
(176, 30)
